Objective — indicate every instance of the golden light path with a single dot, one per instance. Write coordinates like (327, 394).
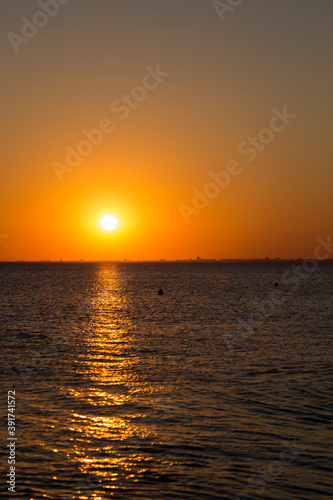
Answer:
(106, 429)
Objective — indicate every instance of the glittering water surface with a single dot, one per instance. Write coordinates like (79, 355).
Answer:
(125, 394)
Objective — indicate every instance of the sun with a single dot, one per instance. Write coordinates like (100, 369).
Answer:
(109, 222)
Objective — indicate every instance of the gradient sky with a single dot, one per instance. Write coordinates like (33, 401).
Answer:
(225, 78)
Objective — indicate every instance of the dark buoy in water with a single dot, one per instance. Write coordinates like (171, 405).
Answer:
(276, 284)
(160, 291)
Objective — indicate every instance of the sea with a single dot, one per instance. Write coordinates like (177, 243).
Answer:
(221, 388)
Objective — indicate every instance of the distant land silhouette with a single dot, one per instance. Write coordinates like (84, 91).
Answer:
(198, 260)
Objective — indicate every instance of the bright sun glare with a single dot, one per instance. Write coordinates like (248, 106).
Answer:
(109, 222)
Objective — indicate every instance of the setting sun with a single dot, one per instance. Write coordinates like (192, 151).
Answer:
(109, 222)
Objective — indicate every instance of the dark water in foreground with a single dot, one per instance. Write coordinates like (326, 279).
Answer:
(124, 394)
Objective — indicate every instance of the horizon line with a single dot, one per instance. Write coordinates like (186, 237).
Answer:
(125, 261)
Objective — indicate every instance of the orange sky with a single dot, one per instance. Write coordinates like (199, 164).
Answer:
(201, 90)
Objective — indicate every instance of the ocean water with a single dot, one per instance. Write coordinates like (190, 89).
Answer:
(219, 389)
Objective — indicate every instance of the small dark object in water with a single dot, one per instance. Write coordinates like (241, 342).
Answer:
(160, 291)
(276, 284)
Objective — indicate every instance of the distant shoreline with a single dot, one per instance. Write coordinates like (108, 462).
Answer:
(162, 261)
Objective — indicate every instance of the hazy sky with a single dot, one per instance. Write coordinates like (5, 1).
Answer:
(181, 96)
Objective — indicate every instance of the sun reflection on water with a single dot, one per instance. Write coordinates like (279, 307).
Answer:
(106, 426)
